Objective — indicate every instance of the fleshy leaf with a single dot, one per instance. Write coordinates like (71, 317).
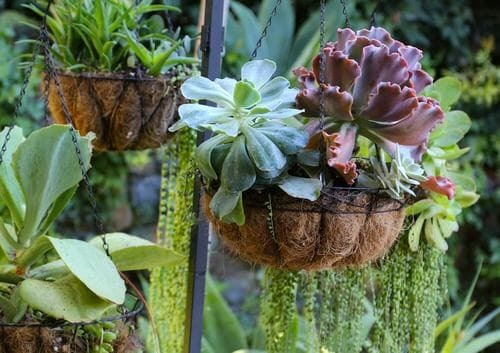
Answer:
(224, 203)
(264, 153)
(258, 72)
(130, 253)
(245, 95)
(47, 156)
(203, 88)
(92, 267)
(238, 171)
(67, 299)
(197, 116)
(303, 188)
(340, 70)
(339, 149)
(203, 156)
(440, 185)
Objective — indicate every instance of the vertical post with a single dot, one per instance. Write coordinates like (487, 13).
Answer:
(212, 42)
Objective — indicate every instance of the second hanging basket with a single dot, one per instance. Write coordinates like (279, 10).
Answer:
(125, 112)
(344, 227)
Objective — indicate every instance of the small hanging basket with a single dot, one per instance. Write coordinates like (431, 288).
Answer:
(125, 112)
(344, 227)
(64, 337)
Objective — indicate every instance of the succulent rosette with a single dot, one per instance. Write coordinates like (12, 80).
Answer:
(371, 87)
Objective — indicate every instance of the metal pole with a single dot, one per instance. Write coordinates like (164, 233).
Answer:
(211, 46)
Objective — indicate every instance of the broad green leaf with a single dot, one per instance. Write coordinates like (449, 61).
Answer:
(238, 172)
(224, 202)
(203, 88)
(51, 270)
(237, 215)
(281, 114)
(36, 250)
(229, 128)
(247, 28)
(457, 119)
(245, 95)
(449, 89)
(449, 137)
(258, 72)
(221, 327)
(289, 140)
(203, 156)
(462, 180)
(219, 156)
(131, 253)
(10, 191)
(197, 116)
(265, 154)
(48, 157)
(205, 346)
(57, 208)
(8, 239)
(418, 207)
(92, 267)
(303, 188)
(67, 298)
(273, 91)
(466, 198)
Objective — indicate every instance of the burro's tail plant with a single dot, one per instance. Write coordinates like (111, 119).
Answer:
(64, 279)
(256, 137)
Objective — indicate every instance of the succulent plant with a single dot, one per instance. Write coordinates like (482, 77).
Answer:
(397, 179)
(371, 86)
(255, 136)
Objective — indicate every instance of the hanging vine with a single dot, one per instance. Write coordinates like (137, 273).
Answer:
(168, 288)
(279, 315)
(342, 310)
(411, 289)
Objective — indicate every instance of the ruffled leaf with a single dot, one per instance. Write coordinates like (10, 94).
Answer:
(339, 149)
(440, 185)
(340, 71)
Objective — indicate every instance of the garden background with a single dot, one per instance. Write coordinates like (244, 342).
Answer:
(460, 38)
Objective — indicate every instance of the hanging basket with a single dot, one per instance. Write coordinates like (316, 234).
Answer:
(64, 337)
(344, 227)
(125, 112)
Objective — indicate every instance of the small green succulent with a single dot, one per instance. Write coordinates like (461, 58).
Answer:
(256, 137)
(395, 180)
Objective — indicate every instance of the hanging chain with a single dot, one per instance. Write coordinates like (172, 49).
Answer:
(373, 20)
(52, 75)
(266, 29)
(345, 13)
(322, 80)
(24, 86)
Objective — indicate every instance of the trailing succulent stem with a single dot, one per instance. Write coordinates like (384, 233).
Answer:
(169, 285)
(342, 310)
(410, 293)
(279, 315)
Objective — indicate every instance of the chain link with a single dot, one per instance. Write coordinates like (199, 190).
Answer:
(345, 13)
(266, 29)
(322, 80)
(373, 20)
(24, 86)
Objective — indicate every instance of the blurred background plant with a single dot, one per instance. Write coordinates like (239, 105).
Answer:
(458, 37)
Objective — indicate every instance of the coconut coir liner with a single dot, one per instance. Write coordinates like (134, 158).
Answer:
(124, 112)
(51, 340)
(341, 229)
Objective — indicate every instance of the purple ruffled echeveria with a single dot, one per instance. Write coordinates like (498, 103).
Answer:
(371, 83)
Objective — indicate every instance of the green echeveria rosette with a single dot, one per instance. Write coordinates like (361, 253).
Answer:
(255, 136)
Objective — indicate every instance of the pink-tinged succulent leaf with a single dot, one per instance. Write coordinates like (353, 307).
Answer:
(414, 130)
(305, 78)
(355, 47)
(390, 104)
(344, 35)
(377, 65)
(419, 80)
(336, 104)
(377, 33)
(339, 69)
(339, 149)
(441, 185)
(412, 56)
